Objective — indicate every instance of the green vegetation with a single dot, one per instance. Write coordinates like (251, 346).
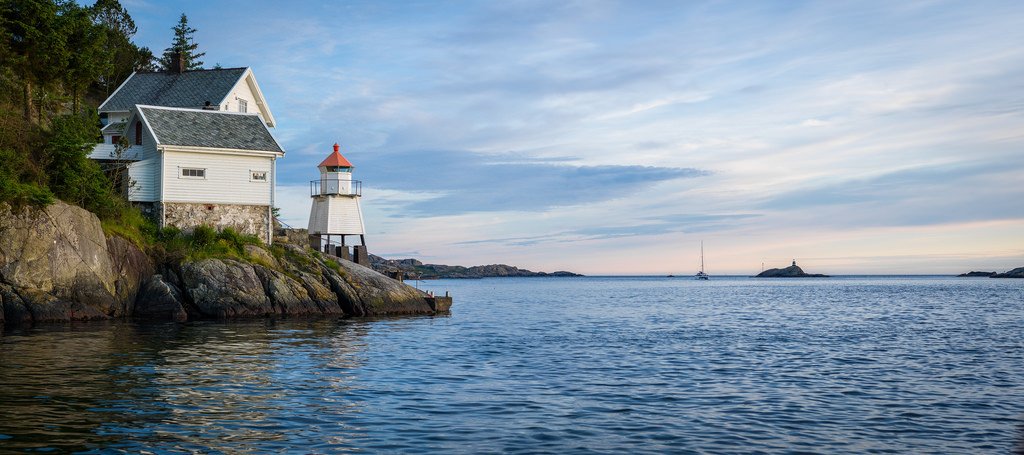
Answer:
(58, 61)
(183, 44)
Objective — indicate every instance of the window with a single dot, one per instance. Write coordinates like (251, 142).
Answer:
(138, 132)
(243, 106)
(193, 173)
(257, 176)
(115, 139)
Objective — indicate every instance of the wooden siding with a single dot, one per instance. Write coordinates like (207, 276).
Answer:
(243, 91)
(226, 181)
(336, 215)
(146, 175)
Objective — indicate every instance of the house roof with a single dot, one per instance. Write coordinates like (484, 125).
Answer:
(335, 159)
(210, 129)
(113, 128)
(188, 89)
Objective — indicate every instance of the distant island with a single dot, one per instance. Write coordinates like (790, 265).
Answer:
(975, 274)
(1015, 273)
(415, 269)
(793, 271)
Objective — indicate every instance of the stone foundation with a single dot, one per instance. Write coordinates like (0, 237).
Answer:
(246, 219)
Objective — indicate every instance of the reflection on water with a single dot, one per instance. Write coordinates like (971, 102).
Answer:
(554, 365)
(201, 387)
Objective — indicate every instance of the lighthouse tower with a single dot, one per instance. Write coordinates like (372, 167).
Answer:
(336, 210)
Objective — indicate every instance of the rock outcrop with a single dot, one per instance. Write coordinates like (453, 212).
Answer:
(793, 271)
(1015, 273)
(415, 268)
(57, 265)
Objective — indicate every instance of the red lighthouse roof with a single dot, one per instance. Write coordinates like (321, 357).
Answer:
(335, 159)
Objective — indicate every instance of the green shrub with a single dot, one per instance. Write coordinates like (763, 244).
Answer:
(203, 236)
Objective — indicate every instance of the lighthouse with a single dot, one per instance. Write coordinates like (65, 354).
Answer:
(336, 210)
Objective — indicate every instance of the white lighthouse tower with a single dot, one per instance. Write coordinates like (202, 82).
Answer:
(336, 210)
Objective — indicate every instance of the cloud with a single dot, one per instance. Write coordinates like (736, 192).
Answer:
(768, 121)
(473, 182)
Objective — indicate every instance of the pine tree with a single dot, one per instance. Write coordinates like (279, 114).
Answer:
(184, 44)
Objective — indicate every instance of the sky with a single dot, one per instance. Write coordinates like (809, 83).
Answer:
(607, 137)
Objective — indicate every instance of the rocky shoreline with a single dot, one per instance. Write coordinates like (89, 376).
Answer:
(57, 265)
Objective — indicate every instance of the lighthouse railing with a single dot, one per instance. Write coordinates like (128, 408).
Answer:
(335, 187)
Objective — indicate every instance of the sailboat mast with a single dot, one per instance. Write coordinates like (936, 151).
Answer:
(701, 255)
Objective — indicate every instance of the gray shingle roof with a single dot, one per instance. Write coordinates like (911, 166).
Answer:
(189, 89)
(116, 127)
(216, 129)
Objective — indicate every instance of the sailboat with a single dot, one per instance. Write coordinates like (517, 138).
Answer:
(701, 275)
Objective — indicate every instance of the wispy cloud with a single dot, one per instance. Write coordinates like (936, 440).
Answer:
(604, 129)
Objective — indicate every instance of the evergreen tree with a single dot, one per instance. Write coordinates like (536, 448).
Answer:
(183, 44)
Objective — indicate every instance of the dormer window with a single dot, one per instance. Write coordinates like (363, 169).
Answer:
(243, 106)
(138, 132)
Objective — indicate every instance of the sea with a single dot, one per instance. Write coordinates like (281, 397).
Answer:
(856, 364)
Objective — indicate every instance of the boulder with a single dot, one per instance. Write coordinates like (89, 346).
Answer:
(225, 288)
(261, 256)
(56, 259)
(132, 267)
(287, 296)
(50, 249)
(159, 300)
(375, 294)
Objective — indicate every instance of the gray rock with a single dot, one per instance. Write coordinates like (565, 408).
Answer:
(225, 289)
(132, 267)
(14, 309)
(50, 250)
(262, 256)
(159, 300)
(287, 296)
(379, 295)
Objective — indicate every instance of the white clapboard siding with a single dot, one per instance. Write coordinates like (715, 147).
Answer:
(242, 91)
(227, 178)
(336, 215)
(146, 178)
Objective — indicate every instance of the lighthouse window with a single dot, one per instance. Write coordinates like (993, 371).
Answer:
(193, 173)
(258, 176)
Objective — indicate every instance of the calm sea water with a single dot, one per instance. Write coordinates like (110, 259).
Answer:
(842, 365)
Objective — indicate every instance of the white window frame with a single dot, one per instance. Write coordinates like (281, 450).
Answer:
(181, 173)
(253, 172)
(243, 105)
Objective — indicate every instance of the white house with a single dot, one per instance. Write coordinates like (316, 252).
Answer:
(199, 148)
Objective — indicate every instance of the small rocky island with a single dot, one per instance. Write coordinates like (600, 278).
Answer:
(793, 271)
(977, 274)
(415, 269)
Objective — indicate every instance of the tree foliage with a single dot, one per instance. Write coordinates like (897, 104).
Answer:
(58, 60)
(182, 44)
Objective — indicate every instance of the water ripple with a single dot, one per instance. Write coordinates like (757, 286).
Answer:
(595, 365)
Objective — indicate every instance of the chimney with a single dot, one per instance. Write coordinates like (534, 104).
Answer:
(177, 62)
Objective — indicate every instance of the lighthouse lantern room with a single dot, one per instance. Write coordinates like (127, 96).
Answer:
(336, 210)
